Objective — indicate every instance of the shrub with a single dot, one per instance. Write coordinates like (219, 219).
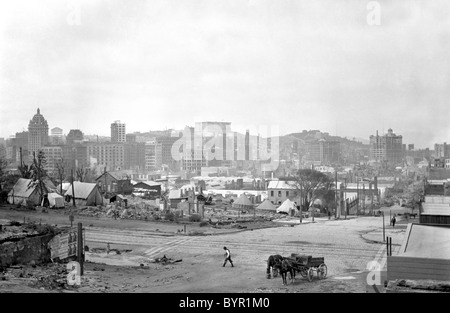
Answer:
(169, 216)
(203, 223)
(194, 218)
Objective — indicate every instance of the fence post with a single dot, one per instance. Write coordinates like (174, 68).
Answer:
(80, 250)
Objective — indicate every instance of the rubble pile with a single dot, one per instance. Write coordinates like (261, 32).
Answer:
(52, 276)
(13, 230)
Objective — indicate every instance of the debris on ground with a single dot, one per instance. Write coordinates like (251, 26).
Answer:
(165, 260)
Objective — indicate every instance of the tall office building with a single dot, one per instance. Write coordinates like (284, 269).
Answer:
(37, 133)
(323, 152)
(388, 147)
(118, 132)
(75, 136)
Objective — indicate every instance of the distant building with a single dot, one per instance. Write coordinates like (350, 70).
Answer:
(134, 155)
(115, 181)
(53, 155)
(388, 147)
(118, 132)
(150, 155)
(323, 151)
(37, 133)
(130, 138)
(108, 154)
(75, 156)
(164, 152)
(74, 136)
(56, 136)
(442, 151)
(278, 191)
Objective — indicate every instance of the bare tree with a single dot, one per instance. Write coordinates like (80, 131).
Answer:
(38, 173)
(61, 172)
(311, 185)
(82, 174)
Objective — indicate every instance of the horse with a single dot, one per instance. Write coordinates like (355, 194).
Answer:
(271, 262)
(284, 267)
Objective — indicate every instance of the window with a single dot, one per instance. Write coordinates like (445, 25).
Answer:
(279, 193)
(287, 193)
(271, 193)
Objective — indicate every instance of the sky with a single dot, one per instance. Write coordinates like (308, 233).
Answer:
(347, 67)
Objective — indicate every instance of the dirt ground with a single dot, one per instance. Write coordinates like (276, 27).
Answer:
(201, 270)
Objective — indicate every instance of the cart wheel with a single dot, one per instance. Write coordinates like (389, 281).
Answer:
(304, 272)
(310, 274)
(322, 271)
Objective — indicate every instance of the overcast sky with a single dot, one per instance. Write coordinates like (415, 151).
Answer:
(166, 64)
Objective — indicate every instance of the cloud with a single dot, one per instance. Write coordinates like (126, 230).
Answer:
(297, 64)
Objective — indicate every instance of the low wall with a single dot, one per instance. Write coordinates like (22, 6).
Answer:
(25, 250)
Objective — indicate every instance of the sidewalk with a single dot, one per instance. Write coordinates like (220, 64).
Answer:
(397, 234)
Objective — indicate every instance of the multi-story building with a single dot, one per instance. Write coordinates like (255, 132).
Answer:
(193, 158)
(388, 147)
(118, 132)
(164, 152)
(37, 133)
(130, 138)
(134, 155)
(53, 155)
(56, 136)
(74, 136)
(215, 131)
(111, 155)
(323, 152)
(150, 155)
(75, 156)
(442, 150)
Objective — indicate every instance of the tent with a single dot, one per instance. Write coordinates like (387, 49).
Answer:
(242, 203)
(266, 205)
(24, 192)
(286, 207)
(55, 200)
(65, 186)
(85, 193)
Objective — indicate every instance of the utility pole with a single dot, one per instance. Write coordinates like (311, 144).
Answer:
(104, 174)
(21, 158)
(73, 190)
(345, 198)
(336, 193)
(357, 196)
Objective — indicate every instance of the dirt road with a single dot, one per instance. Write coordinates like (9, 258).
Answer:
(341, 242)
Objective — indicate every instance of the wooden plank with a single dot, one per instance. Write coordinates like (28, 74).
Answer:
(416, 260)
(395, 275)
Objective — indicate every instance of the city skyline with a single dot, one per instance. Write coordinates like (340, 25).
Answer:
(167, 64)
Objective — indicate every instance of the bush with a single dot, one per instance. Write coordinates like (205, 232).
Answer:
(170, 216)
(204, 223)
(195, 218)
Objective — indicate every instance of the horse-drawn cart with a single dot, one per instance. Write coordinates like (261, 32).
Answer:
(306, 265)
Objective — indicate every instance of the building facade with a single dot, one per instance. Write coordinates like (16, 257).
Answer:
(442, 150)
(388, 147)
(118, 132)
(37, 133)
(56, 136)
(150, 155)
(74, 136)
(53, 156)
(111, 155)
(323, 151)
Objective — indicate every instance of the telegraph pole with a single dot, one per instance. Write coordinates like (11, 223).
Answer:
(73, 190)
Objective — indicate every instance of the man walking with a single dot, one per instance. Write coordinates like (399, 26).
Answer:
(227, 257)
(393, 221)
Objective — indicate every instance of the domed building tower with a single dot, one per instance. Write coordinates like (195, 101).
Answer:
(37, 133)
